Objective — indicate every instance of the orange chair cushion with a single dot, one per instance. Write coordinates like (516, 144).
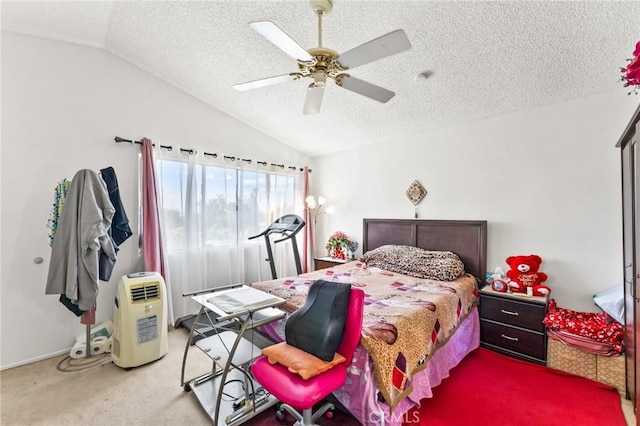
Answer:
(298, 361)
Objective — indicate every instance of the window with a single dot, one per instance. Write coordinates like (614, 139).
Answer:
(220, 206)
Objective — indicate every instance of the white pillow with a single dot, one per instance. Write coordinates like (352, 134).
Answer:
(611, 301)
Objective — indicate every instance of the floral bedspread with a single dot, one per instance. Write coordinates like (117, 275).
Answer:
(405, 318)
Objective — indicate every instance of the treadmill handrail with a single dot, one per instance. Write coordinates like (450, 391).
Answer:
(275, 231)
(287, 229)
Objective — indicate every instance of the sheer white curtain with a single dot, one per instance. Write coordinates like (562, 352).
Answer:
(210, 208)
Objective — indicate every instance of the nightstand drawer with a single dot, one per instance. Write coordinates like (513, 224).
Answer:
(326, 262)
(512, 338)
(513, 312)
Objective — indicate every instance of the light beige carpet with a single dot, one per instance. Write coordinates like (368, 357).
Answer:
(39, 394)
(107, 395)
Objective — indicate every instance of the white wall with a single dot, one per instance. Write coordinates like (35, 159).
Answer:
(546, 180)
(62, 105)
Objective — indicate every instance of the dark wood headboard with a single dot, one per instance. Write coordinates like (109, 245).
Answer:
(466, 238)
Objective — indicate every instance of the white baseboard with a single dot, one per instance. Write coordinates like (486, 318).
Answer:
(32, 360)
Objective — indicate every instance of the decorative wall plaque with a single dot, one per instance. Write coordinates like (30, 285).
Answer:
(416, 192)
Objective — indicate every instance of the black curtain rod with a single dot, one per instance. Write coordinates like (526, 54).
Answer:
(118, 139)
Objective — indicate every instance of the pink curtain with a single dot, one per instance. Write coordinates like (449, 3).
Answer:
(151, 236)
(307, 240)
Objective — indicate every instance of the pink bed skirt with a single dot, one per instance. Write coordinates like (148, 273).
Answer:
(360, 395)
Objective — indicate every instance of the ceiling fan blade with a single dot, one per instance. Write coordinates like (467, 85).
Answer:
(275, 35)
(369, 90)
(314, 100)
(381, 47)
(264, 82)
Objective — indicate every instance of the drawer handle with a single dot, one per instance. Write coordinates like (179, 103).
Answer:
(515, 339)
(509, 312)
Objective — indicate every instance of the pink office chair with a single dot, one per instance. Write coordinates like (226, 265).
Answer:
(299, 394)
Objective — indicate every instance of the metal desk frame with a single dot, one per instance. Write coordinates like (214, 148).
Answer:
(228, 363)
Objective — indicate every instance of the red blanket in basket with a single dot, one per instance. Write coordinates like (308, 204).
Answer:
(597, 326)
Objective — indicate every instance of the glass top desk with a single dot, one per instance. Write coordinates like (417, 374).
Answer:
(230, 352)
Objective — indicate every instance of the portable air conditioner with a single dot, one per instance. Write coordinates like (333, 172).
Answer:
(139, 320)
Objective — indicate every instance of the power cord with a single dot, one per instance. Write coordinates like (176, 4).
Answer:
(70, 365)
(233, 397)
(241, 401)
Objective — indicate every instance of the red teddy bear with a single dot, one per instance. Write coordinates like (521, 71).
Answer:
(524, 273)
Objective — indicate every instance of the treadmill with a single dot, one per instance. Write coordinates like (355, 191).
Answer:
(288, 226)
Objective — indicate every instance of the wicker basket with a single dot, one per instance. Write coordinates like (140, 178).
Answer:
(571, 360)
(611, 370)
(604, 369)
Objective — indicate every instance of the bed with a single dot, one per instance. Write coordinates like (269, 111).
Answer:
(415, 329)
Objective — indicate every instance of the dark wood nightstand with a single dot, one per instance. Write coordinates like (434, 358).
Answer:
(326, 262)
(513, 324)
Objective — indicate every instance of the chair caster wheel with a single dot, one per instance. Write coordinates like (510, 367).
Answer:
(186, 387)
(329, 414)
(280, 416)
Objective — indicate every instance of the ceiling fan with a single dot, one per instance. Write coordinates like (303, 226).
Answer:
(320, 63)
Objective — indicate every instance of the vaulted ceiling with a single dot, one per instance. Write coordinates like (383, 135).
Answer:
(480, 58)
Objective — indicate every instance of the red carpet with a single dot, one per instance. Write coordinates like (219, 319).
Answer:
(491, 389)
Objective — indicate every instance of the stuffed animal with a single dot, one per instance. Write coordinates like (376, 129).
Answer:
(524, 274)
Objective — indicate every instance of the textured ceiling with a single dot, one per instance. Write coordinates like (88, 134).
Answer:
(483, 58)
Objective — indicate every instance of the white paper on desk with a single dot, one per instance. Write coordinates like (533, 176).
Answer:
(245, 298)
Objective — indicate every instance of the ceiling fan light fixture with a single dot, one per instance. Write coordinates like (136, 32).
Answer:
(319, 79)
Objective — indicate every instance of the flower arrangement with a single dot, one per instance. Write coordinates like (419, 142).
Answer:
(338, 245)
(631, 73)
